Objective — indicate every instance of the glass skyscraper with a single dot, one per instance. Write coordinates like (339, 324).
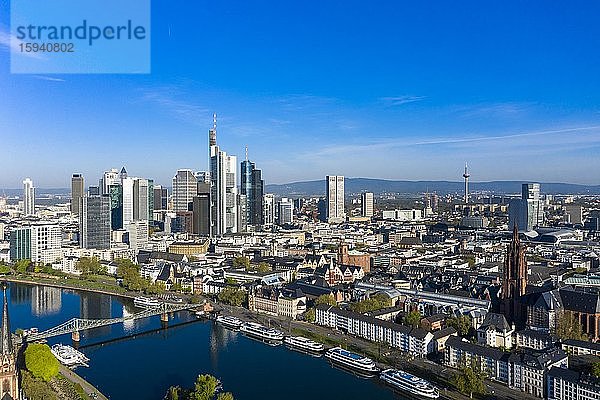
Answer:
(252, 187)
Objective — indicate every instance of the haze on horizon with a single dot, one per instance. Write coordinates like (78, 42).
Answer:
(386, 90)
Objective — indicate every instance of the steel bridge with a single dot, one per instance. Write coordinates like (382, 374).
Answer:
(76, 325)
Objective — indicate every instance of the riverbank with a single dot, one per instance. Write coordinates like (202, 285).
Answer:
(89, 391)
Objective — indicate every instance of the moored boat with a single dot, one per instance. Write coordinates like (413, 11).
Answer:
(351, 360)
(409, 383)
(146, 302)
(68, 356)
(229, 322)
(303, 343)
(261, 332)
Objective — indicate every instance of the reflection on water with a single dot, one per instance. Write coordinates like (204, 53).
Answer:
(96, 306)
(45, 300)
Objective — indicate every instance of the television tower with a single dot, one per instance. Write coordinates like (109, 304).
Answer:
(466, 176)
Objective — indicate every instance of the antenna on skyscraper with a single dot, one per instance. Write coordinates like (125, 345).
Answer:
(212, 133)
(246, 152)
(215, 121)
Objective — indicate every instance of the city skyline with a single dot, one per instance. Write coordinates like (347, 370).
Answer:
(421, 88)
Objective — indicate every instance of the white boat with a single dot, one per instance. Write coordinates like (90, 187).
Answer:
(351, 360)
(229, 322)
(303, 343)
(146, 302)
(261, 332)
(68, 356)
(409, 383)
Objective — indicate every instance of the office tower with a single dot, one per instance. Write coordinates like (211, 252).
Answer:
(286, 211)
(242, 207)
(141, 207)
(115, 194)
(108, 178)
(335, 199)
(526, 213)
(268, 209)
(161, 197)
(20, 244)
(123, 174)
(573, 214)
(184, 189)
(77, 192)
(94, 222)
(514, 280)
(127, 188)
(223, 194)
(137, 235)
(28, 197)
(46, 240)
(466, 175)
(203, 177)
(94, 191)
(366, 204)
(201, 210)
(252, 187)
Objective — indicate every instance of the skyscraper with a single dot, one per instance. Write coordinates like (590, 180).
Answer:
(28, 197)
(184, 189)
(20, 244)
(252, 187)
(514, 280)
(286, 211)
(268, 210)
(115, 194)
(77, 192)
(201, 210)
(335, 199)
(526, 213)
(366, 204)
(223, 189)
(127, 188)
(161, 197)
(94, 222)
(108, 178)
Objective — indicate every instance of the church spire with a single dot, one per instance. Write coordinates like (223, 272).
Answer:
(6, 346)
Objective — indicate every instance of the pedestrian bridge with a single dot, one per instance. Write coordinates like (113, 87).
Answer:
(76, 325)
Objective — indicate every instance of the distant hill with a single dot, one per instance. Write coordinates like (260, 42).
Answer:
(39, 192)
(379, 186)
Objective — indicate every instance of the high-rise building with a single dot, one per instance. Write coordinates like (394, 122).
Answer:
(223, 194)
(201, 210)
(115, 194)
(184, 189)
(286, 211)
(94, 222)
(46, 243)
(108, 178)
(252, 187)
(527, 212)
(20, 244)
(366, 204)
(514, 280)
(94, 191)
(77, 192)
(335, 199)
(28, 197)
(128, 199)
(141, 197)
(268, 210)
(137, 234)
(161, 198)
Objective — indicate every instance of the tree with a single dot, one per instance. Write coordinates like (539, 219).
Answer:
(205, 387)
(310, 315)
(225, 396)
(376, 302)
(90, 266)
(157, 287)
(462, 324)
(40, 361)
(326, 299)
(232, 296)
(596, 369)
(260, 267)
(241, 262)
(413, 319)
(469, 381)
(23, 266)
(5, 269)
(569, 327)
(36, 388)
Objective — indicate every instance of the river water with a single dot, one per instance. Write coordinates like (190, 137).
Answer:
(145, 366)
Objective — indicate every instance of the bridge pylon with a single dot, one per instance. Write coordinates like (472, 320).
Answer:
(75, 336)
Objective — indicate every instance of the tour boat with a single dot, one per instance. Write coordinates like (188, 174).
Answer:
(146, 302)
(261, 332)
(229, 322)
(351, 360)
(409, 383)
(68, 356)
(303, 343)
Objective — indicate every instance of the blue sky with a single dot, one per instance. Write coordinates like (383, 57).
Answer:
(386, 89)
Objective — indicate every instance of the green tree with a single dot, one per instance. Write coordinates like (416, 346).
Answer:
(90, 266)
(205, 387)
(326, 299)
(241, 262)
(232, 296)
(40, 361)
(596, 369)
(5, 269)
(36, 388)
(413, 319)
(569, 327)
(225, 396)
(462, 324)
(173, 393)
(469, 382)
(261, 267)
(376, 302)
(23, 266)
(310, 315)
(157, 287)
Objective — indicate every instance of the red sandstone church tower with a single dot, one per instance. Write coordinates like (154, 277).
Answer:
(9, 380)
(514, 280)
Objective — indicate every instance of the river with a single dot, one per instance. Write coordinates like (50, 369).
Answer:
(145, 366)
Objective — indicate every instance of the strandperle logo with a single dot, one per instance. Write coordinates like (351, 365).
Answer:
(85, 31)
(80, 36)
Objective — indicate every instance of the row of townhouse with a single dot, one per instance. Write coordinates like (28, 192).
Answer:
(526, 370)
(566, 384)
(415, 341)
